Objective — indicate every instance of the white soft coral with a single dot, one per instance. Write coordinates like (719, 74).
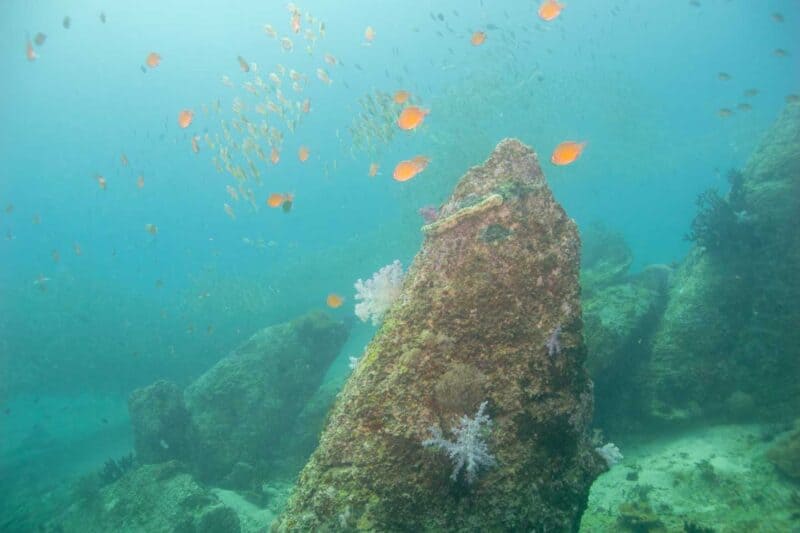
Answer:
(379, 293)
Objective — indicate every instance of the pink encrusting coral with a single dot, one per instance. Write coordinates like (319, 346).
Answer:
(379, 293)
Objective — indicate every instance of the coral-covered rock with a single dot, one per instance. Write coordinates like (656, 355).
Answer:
(161, 497)
(785, 454)
(730, 327)
(248, 402)
(496, 276)
(162, 427)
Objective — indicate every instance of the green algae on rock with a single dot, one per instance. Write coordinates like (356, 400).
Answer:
(482, 311)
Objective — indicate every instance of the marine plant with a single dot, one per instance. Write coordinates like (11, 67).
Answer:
(722, 225)
(114, 469)
(469, 451)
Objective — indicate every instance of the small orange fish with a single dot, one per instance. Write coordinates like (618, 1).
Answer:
(306, 106)
(243, 64)
(185, 118)
(405, 170)
(275, 156)
(152, 60)
(373, 170)
(140, 182)
(195, 144)
(369, 34)
(550, 9)
(411, 117)
(152, 229)
(401, 97)
(303, 154)
(567, 152)
(478, 38)
(229, 211)
(124, 160)
(101, 182)
(296, 22)
(275, 200)
(334, 301)
(331, 59)
(30, 53)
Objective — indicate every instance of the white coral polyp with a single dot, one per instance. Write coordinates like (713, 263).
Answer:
(377, 295)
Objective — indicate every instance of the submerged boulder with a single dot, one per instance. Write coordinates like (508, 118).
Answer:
(488, 322)
(162, 426)
(161, 497)
(730, 327)
(248, 402)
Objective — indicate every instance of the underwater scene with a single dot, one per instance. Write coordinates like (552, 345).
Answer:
(372, 265)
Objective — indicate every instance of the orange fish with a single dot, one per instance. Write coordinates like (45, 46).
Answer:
(306, 105)
(369, 34)
(229, 211)
(30, 53)
(275, 200)
(243, 64)
(124, 160)
(405, 170)
(140, 182)
(275, 156)
(185, 118)
(334, 301)
(101, 182)
(195, 144)
(478, 38)
(567, 152)
(152, 60)
(152, 229)
(411, 117)
(303, 154)
(550, 9)
(401, 97)
(373, 170)
(296, 22)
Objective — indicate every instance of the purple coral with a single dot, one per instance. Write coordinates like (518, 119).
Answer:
(429, 213)
(469, 451)
(553, 342)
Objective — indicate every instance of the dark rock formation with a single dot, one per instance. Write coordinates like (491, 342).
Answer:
(162, 427)
(497, 274)
(785, 453)
(248, 402)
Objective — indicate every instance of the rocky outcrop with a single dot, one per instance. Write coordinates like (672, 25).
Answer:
(162, 426)
(161, 497)
(232, 422)
(249, 401)
(489, 312)
(730, 328)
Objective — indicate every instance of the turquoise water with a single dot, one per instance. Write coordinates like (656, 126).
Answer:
(638, 81)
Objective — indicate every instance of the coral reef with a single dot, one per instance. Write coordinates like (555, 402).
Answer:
(483, 306)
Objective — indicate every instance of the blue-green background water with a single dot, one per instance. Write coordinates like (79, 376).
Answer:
(637, 80)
